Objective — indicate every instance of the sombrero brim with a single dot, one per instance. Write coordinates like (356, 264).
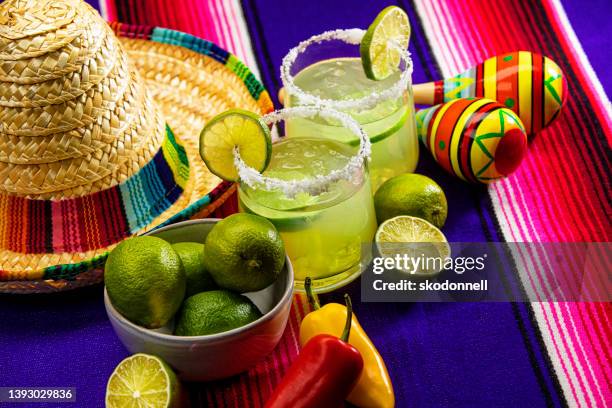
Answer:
(191, 80)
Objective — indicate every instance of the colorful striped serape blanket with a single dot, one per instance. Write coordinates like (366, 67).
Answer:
(560, 193)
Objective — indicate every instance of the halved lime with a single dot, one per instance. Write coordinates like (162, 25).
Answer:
(415, 238)
(379, 47)
(235, 129)
(142, 380)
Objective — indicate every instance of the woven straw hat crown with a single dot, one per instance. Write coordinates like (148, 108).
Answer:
(75, 118)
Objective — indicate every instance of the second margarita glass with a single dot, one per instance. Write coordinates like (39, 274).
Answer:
(326, 70)
(316, 191)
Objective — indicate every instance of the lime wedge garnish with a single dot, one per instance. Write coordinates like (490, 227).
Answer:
(414, 237)
(142, 381)
(379, 53)
(235, 128)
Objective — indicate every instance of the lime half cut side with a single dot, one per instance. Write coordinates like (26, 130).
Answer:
(413, 237)
(230, 130)
(380, 45)
(142, 381)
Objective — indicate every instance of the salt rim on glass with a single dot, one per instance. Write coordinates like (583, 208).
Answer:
(313, 185)
(349, 36)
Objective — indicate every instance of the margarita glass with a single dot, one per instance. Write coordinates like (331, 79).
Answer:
(317, 193)
(326, 70)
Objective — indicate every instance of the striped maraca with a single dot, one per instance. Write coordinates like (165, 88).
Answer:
(476, 139)
(530, 84)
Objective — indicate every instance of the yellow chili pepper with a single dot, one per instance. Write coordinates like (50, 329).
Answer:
(374, 388)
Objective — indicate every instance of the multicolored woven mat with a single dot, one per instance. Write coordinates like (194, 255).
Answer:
(446, 354)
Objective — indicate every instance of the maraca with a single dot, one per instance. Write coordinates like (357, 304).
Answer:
(530, 84)
(476, 139)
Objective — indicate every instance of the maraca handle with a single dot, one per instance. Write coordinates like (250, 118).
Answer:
(425, 94)
(281, 96)
(437, 92)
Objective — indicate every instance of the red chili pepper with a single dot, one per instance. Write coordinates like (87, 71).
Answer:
(324, 373)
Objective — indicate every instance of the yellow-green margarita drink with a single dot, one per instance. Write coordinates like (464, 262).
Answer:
(389, 124)
(316, 191)
(325, 233)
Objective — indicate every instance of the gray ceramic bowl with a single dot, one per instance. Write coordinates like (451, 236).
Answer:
(211, 357)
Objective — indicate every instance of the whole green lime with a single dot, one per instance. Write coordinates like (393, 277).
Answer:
(411, 194)
(244, 253)
(213, 312)
(145, 280)
(192, 257)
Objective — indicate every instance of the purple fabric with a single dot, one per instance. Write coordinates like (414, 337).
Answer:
(593, 26)
(438, 354)
(94, 3)
(61, 340)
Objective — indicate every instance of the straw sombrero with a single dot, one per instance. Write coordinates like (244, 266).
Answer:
(99, 134)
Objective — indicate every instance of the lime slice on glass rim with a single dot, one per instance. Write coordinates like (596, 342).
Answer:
(414, 237)
(235, 129)
(379, 47)
(142, 380)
